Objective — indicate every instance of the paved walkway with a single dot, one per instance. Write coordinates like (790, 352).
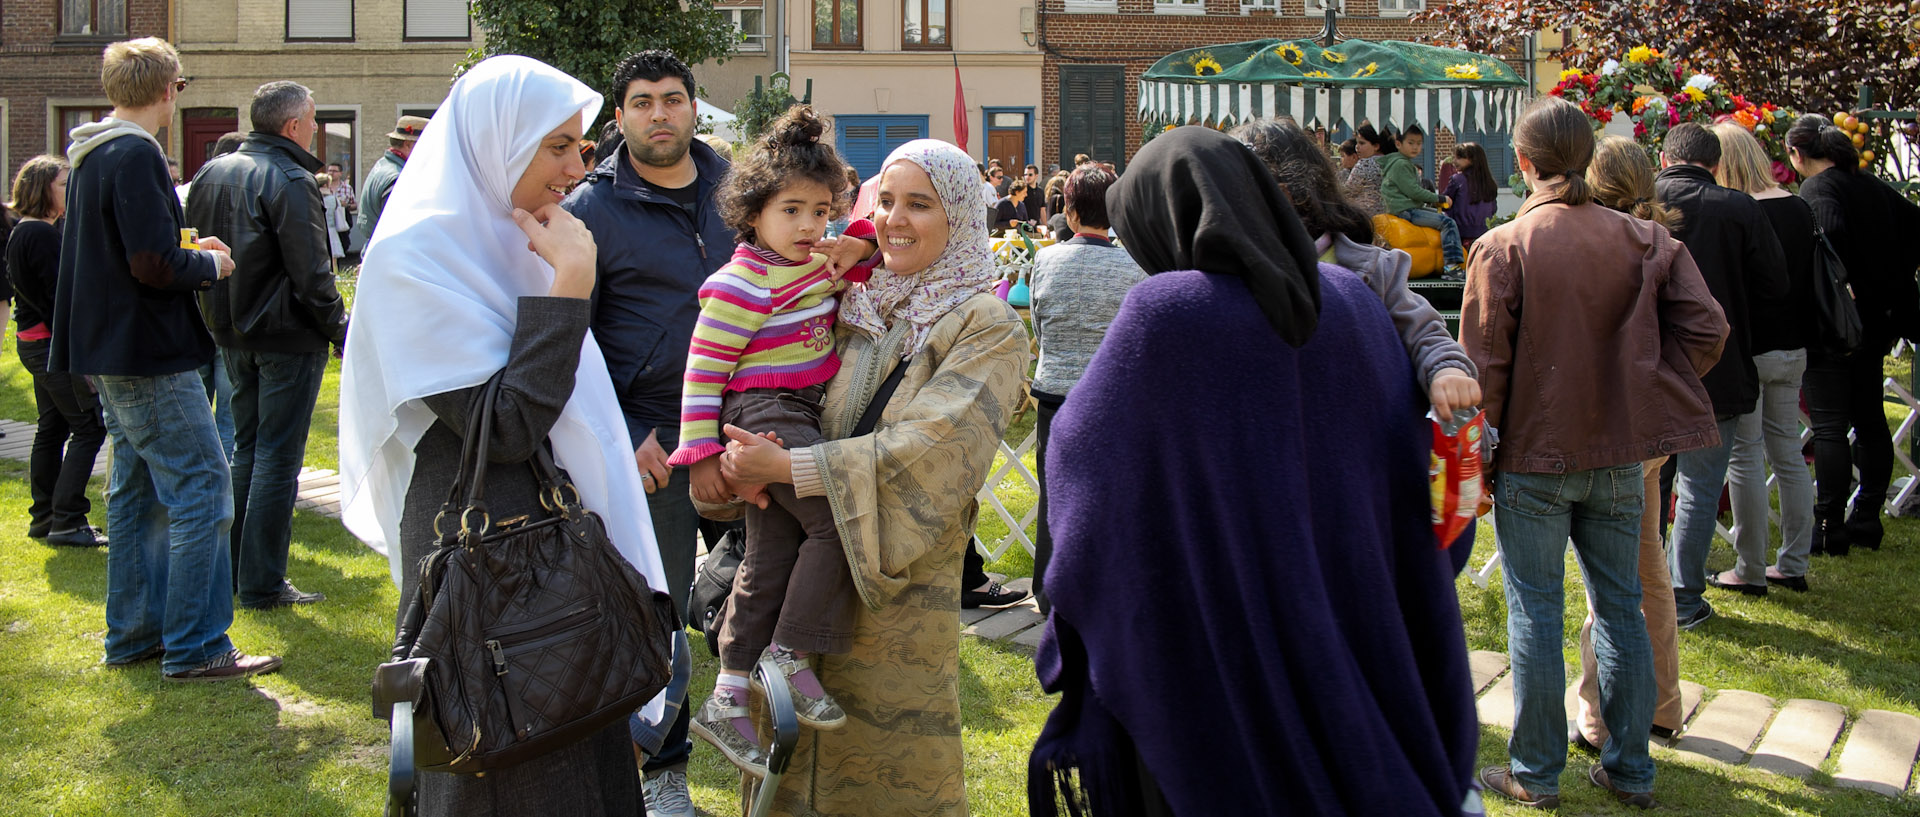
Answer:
(1876, 751)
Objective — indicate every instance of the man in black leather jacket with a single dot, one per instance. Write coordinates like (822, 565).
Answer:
(1732, 241)
(273, 319)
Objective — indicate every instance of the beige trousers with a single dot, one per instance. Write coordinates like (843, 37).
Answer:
(1656, 604)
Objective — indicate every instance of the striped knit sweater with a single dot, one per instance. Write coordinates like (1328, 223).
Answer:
(765, 323)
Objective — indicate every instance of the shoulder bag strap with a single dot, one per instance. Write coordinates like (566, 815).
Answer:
(468, 491)
(871, 418)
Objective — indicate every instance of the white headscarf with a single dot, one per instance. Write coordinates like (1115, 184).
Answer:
(437, 302)
(964, 269)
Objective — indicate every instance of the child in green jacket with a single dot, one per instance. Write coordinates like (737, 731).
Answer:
(1404, 196)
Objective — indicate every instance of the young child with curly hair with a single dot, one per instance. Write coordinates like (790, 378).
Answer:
(761, 356)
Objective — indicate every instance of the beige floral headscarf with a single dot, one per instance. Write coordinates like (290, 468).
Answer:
(963, 270)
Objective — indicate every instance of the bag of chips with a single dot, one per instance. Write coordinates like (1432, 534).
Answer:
(1458, 472)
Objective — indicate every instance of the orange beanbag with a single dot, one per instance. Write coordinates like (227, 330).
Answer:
(1423, 243)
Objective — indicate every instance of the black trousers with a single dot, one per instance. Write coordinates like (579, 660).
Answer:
(1049, 404)
(1844, 393)
(65, 444)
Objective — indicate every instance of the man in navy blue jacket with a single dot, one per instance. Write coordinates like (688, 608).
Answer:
(652, 212)
(125, 314)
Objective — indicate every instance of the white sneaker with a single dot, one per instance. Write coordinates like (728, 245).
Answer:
(666, 791)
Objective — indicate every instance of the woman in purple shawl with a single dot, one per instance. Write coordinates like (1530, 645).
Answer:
(1250, 613)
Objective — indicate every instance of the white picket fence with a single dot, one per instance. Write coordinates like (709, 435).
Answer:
(1897, 500)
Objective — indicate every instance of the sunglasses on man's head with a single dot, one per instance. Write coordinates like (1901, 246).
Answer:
(180, 85)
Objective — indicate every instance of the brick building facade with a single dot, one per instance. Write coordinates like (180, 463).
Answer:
(50, 68)
(1100, 48)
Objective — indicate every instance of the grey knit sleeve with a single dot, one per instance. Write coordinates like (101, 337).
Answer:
(539, 378)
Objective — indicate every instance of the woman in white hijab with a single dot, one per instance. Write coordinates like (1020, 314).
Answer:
(475, 269)
(902, 495)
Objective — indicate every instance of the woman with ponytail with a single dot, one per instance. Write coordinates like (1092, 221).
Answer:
(1590, 329)
(1870, 225)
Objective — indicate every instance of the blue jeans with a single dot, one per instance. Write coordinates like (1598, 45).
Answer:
(1449, 231)
(1696, 488)
(169, 506)
(220, 394)
(273, 397)
(1600, 510)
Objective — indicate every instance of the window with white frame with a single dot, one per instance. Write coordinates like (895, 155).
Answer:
(751, 22)
(1318, 8)
(1092, 7)
(1401, 8)
(319, 19)
(1180, 6)
(1260, 5)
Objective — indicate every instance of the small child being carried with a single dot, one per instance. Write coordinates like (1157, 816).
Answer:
(761, 356)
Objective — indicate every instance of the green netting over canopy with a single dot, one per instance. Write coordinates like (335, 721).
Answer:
(1386, 83)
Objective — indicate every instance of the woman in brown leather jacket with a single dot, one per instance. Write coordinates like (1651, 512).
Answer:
(1590, 329)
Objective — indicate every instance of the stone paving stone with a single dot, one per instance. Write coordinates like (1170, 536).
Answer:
(1727, 726)
(1801, 736)
(1486, 666)
(1690, 695)
(1880, 752)
(1030, 637)
(1496, 705)
(1006, 622)
(311, 482)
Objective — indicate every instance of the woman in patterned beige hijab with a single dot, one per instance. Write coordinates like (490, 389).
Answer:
(902, 495)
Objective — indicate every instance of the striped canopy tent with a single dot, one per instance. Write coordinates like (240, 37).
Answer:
(1384, 83)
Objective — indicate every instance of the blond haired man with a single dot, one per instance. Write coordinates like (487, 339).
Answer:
(125, 315)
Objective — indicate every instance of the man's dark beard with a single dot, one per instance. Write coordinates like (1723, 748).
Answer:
(652, 155)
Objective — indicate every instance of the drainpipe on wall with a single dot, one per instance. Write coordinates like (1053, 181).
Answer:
(780, 37)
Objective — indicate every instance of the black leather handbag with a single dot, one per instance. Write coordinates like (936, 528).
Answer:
(522, 637)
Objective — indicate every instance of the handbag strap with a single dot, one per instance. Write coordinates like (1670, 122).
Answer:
(466, 495)
(871, 417)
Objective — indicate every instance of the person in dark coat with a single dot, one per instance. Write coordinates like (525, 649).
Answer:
(70, 429)
(1353, 695)
(476, 239)
(273, 322)
(1739, 256)
(1872, 227)
(125, 313)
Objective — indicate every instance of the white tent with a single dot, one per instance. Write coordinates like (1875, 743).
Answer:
(721, 120)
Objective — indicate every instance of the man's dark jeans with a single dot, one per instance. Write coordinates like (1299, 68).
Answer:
(676, 525)
(273, 397)
(65, 444)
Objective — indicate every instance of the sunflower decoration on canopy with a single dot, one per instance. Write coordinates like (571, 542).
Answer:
(1369, 70)
(1293, 54)
(1332, 56)
(1204, 65)
(1465, 70)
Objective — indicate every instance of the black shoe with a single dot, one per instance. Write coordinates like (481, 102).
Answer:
(1578, 740)
(39, 530)
(1660, 732)
(1713, 580)
(85, 536)
(1863, 525)
(287, 597)
(1797, 584)
(993, 596)
(1699, 616)
(1830, 538)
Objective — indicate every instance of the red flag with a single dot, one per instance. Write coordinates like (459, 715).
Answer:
(959, 107)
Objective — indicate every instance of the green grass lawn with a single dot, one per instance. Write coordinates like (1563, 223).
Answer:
(82, 739)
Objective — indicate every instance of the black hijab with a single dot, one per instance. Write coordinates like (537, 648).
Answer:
(1196, 199)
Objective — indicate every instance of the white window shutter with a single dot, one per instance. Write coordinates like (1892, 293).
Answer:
(438, 20)
(319, 19)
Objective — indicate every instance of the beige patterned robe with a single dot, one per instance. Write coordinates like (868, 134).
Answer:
(903, 498)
